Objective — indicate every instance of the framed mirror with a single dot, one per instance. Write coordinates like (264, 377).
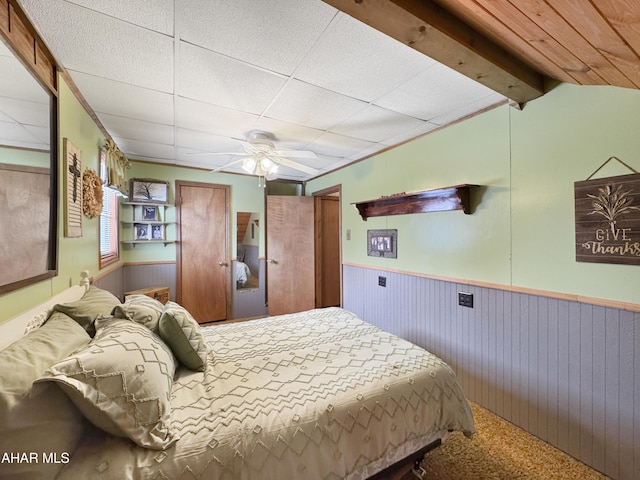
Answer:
(28, 176)
(247, 265)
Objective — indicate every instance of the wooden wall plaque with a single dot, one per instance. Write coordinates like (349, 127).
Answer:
(607, 216)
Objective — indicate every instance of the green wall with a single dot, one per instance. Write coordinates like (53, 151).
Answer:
(522, 231)
(246, 196)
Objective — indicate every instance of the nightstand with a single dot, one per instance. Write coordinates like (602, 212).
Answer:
(159, 293)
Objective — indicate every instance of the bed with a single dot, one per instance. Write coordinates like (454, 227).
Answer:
(120, 393)
(242, 273)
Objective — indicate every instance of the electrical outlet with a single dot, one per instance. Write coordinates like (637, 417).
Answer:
(382, 281)
(465, 299)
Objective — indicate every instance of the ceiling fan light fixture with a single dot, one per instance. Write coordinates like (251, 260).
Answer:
(249, 165)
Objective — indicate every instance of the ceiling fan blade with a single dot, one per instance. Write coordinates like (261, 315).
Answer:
(296, 153)
(298, 166)
(227, 165)
(215, 153)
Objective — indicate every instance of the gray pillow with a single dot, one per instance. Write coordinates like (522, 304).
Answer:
(121, 382)
(182, 333)
(44, 422)
(95, 303)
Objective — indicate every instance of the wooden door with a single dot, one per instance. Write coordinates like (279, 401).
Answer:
(204, 272)
(327, 251)
(290, 254)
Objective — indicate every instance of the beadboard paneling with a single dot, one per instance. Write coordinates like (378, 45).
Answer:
(568, 372)
(139, 276)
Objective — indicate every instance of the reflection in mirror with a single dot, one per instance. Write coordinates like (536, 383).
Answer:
(27, 231)
(248, 243)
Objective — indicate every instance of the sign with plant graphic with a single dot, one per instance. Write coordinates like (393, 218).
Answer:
(608, 220)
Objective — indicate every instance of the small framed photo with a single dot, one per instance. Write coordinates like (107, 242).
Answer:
(148, 190)
(382, 243)
(157, 232)
(141, 231)
(149, 212)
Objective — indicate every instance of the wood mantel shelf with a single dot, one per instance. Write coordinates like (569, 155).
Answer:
(457, 197)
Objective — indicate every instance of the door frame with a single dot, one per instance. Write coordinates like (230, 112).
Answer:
(333, 190)
(178, 203)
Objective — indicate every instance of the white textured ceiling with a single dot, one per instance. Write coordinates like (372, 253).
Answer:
(170, 78)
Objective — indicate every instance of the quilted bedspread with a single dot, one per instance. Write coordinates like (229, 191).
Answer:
(315, 395)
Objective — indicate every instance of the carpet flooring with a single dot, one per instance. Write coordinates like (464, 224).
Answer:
(500, 451)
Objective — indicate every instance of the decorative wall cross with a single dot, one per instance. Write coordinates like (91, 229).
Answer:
(75, 172)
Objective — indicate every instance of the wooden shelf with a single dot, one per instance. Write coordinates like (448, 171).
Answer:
(457, 197)
(153, 226)
(147, 242)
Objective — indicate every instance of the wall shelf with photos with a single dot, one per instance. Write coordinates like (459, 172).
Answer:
(147, 224)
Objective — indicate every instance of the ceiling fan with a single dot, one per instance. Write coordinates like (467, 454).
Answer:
(261, 158)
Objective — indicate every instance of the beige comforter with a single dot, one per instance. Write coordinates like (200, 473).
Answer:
(314, 395)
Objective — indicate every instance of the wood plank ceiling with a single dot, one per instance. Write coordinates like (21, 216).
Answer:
(513, 46)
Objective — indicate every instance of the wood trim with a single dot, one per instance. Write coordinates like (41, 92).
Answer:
(155, 262)
(178, 202)
(601, 302)
(428, 28)
(26, 44)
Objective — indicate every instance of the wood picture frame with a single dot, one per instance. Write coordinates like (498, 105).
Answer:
(147, 190)
(141, 231)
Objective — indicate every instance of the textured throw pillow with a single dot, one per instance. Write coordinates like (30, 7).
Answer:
(46, 423)
(95, 303)
(140, 309)
(182, 333)
(121, 382)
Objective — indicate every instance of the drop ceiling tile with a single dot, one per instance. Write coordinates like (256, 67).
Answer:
(15, 135)
(43, 134)
(272, 34)
(17, 83)
(25, 112)
(433, 92)
(335, 145)
(125, 100)
(451, 115)
(354, 59)
(129, 128)
(207, 142)
(410, 134)
(157, 15)
(312, 106)
(376, 123)
(89, 41)
(204, 117)
(212, 78)
(188, 156)
(143, 150)
(289, 135)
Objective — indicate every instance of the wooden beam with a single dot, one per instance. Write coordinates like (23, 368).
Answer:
(427, 28)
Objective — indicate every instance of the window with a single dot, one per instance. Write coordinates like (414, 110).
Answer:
(109, 252)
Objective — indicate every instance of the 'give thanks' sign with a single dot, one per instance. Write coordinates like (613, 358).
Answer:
(608, 220)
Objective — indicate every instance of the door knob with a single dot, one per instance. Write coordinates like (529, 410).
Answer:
(271, 260)
(222, 263)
